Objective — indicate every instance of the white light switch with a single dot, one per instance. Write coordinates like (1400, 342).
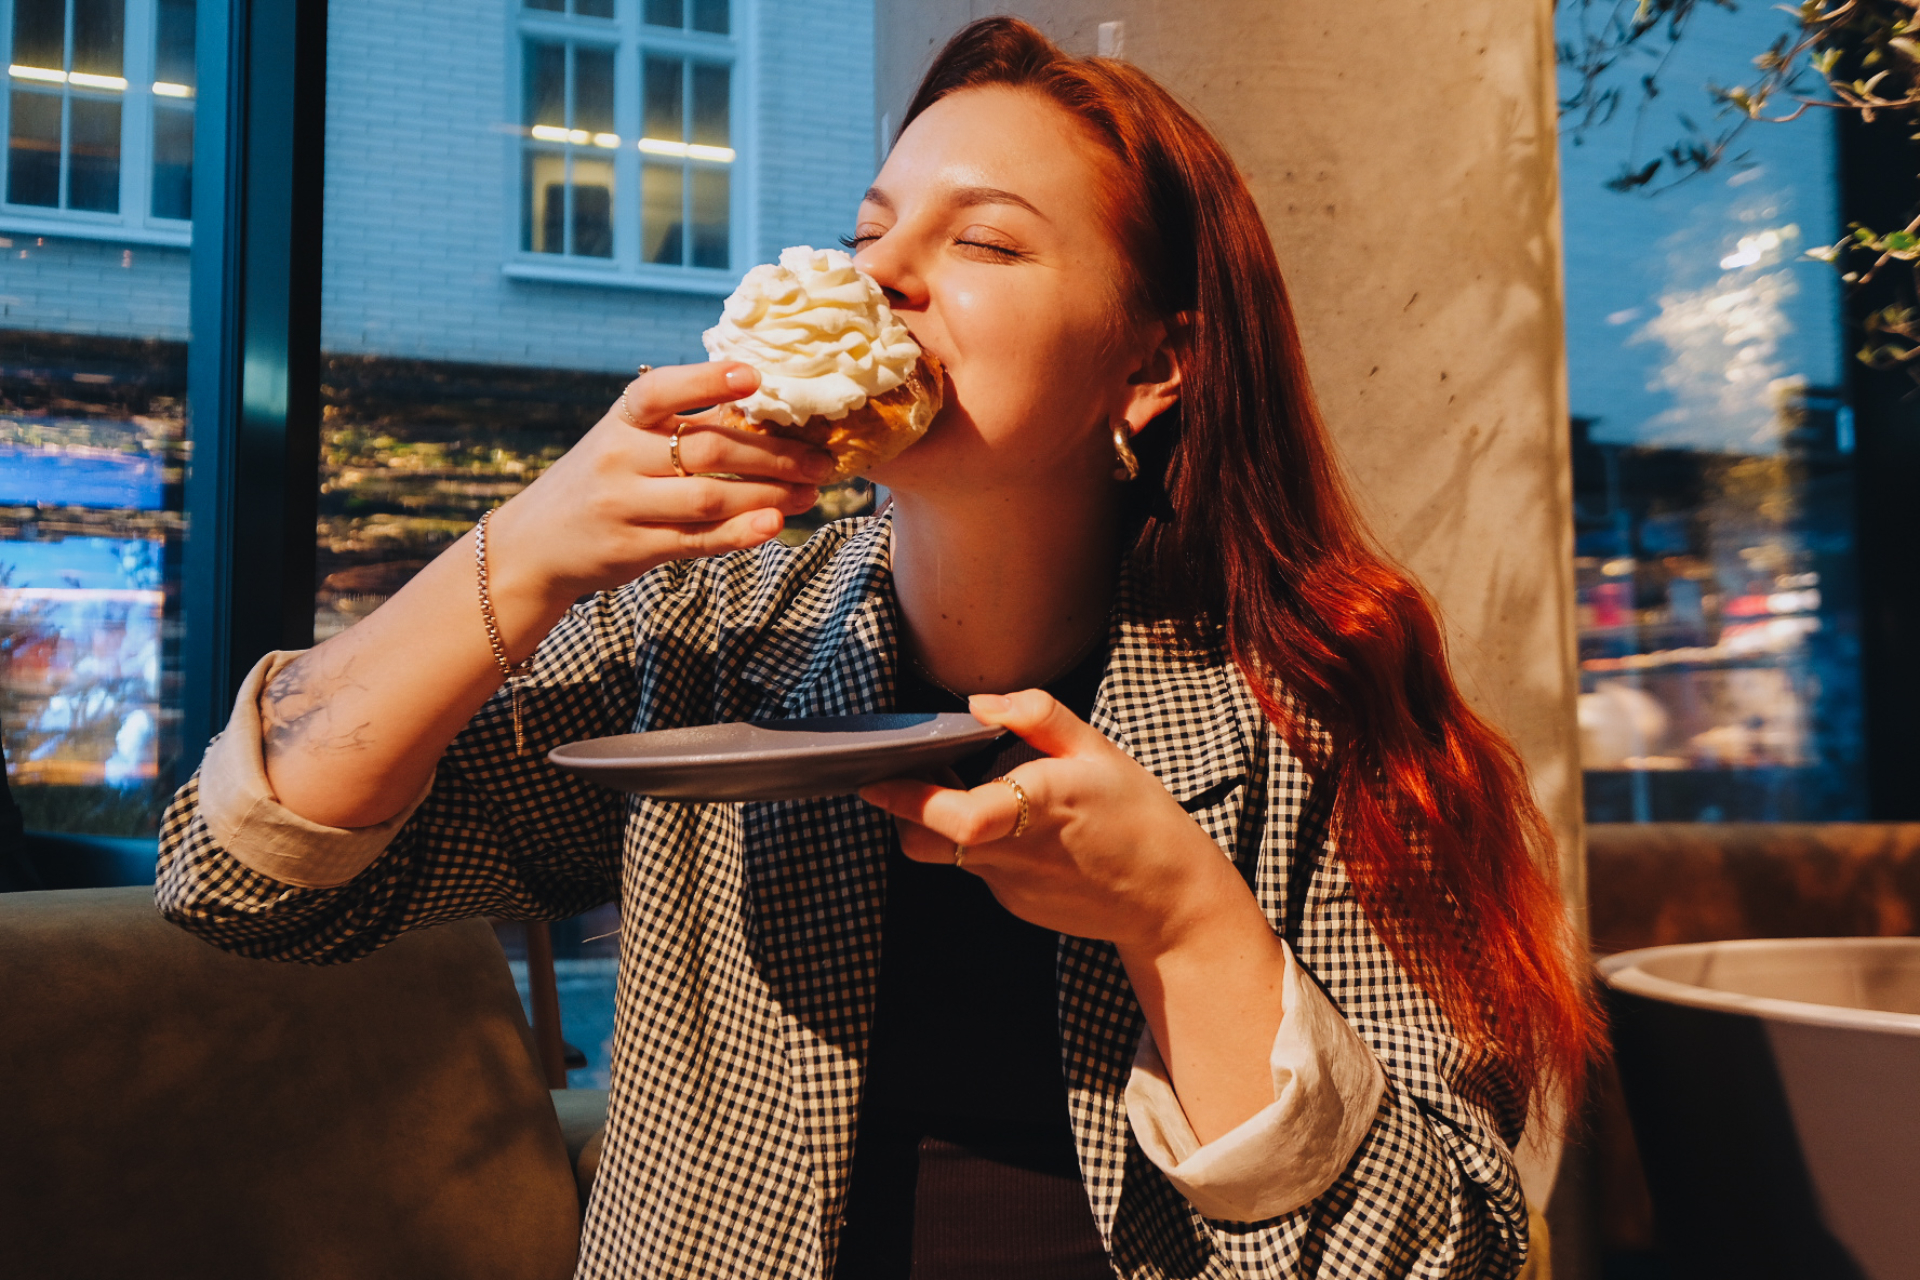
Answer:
(1113, 39)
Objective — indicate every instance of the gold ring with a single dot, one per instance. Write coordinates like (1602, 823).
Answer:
(626, 410)
(673, 450)
(959, 854)
(1020, 794)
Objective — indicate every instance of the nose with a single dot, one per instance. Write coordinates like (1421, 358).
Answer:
(890, 262)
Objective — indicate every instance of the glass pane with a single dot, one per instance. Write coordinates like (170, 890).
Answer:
(665, 105)
(546, 87)
(40, 34)
(98, 30)
(91, 454)
(710, 217)
(173, 44)
(33, 149)
(1713, 473)
(172, 162)
(433, 414)
(93, 154)
(710, 85)
(661, 194)
(546, 184)
(593, 91)
(593, 208)
(710, 15)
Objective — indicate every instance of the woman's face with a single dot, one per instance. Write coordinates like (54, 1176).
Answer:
(987, 231)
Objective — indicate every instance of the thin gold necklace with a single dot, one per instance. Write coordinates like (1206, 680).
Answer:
(1069, 665)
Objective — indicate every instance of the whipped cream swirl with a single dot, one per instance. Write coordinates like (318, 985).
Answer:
(820, 332)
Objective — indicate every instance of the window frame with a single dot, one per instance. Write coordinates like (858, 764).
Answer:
(632, 40)
(135, 223)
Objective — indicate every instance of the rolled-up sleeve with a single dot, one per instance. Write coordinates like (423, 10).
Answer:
(1327, 1086)
(246, 818)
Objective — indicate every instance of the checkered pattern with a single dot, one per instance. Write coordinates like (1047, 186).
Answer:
(751, 939)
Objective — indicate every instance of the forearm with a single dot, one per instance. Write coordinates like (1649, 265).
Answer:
(1211, 990)
(353, 728)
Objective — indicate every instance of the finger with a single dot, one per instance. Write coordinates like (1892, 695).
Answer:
(710, 447)
(1039, 719)
(920, 844)
(980, 816)
(705, 500)
(657, 397)
(719, 537)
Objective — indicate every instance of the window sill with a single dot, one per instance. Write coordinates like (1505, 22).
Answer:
(699, 280)
(27, 224)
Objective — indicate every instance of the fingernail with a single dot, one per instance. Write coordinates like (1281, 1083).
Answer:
(742, 378)
(990, 702)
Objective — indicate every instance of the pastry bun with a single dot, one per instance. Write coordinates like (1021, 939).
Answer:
(874, 433)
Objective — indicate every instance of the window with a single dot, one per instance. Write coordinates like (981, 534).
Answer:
(99, 123)
(628, 145)
(98, 116)
(1714, 480)
(569, 168)
(685, 178)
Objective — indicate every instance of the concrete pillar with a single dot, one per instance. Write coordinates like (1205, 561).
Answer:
(1404, 156)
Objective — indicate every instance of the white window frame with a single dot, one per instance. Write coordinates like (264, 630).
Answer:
(632, 40)
(134, 224)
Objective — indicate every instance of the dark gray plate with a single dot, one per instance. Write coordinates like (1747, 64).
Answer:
(774, 759)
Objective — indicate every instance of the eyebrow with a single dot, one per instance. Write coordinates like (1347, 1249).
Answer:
(965, 198)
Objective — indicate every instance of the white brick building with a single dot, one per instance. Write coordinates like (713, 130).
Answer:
(425, 247)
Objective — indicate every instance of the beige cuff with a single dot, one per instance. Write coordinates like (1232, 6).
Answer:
(1326, 1087)
(250, 823)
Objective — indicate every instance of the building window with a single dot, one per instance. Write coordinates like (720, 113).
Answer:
(99, 112)
(628, 149)
(686, 173)
(571, 138)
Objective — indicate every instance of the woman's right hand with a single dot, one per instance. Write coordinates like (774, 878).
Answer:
(613, 507)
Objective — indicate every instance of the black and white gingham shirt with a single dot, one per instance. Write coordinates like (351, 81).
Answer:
(751, 939)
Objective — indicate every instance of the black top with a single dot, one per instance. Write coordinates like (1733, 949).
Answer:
(965, 1051)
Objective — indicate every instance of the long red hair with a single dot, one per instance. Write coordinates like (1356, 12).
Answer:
(1252, 541)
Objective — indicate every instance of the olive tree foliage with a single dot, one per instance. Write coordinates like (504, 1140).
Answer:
(1859, 56)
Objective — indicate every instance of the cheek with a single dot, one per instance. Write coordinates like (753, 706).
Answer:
(1021, 359)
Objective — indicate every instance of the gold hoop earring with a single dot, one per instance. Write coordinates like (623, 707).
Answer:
(1129, 468)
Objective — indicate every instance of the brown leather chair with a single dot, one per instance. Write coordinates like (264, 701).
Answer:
(167, 1109)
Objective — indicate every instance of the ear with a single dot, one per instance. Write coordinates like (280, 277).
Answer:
(1154, 385)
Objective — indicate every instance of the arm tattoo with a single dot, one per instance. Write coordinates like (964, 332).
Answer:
(296, 708)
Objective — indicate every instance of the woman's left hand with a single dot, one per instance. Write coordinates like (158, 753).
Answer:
(1107, 852)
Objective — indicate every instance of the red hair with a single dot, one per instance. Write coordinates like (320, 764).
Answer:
(1252, 542)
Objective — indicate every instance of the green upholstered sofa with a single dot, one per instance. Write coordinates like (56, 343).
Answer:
(167, 1109)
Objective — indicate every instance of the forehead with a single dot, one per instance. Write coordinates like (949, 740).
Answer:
(1000, 139)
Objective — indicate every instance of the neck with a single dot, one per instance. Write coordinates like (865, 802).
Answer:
(999, 593)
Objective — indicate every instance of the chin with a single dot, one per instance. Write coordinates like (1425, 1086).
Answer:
(932, 462)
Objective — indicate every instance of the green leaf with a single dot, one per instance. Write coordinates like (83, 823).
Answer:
(1901, 242)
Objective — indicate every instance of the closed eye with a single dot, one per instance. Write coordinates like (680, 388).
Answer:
(1000, 251)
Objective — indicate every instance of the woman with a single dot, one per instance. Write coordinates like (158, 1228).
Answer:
(864, 1035)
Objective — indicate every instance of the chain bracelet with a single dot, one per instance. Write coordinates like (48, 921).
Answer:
(509, 670)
